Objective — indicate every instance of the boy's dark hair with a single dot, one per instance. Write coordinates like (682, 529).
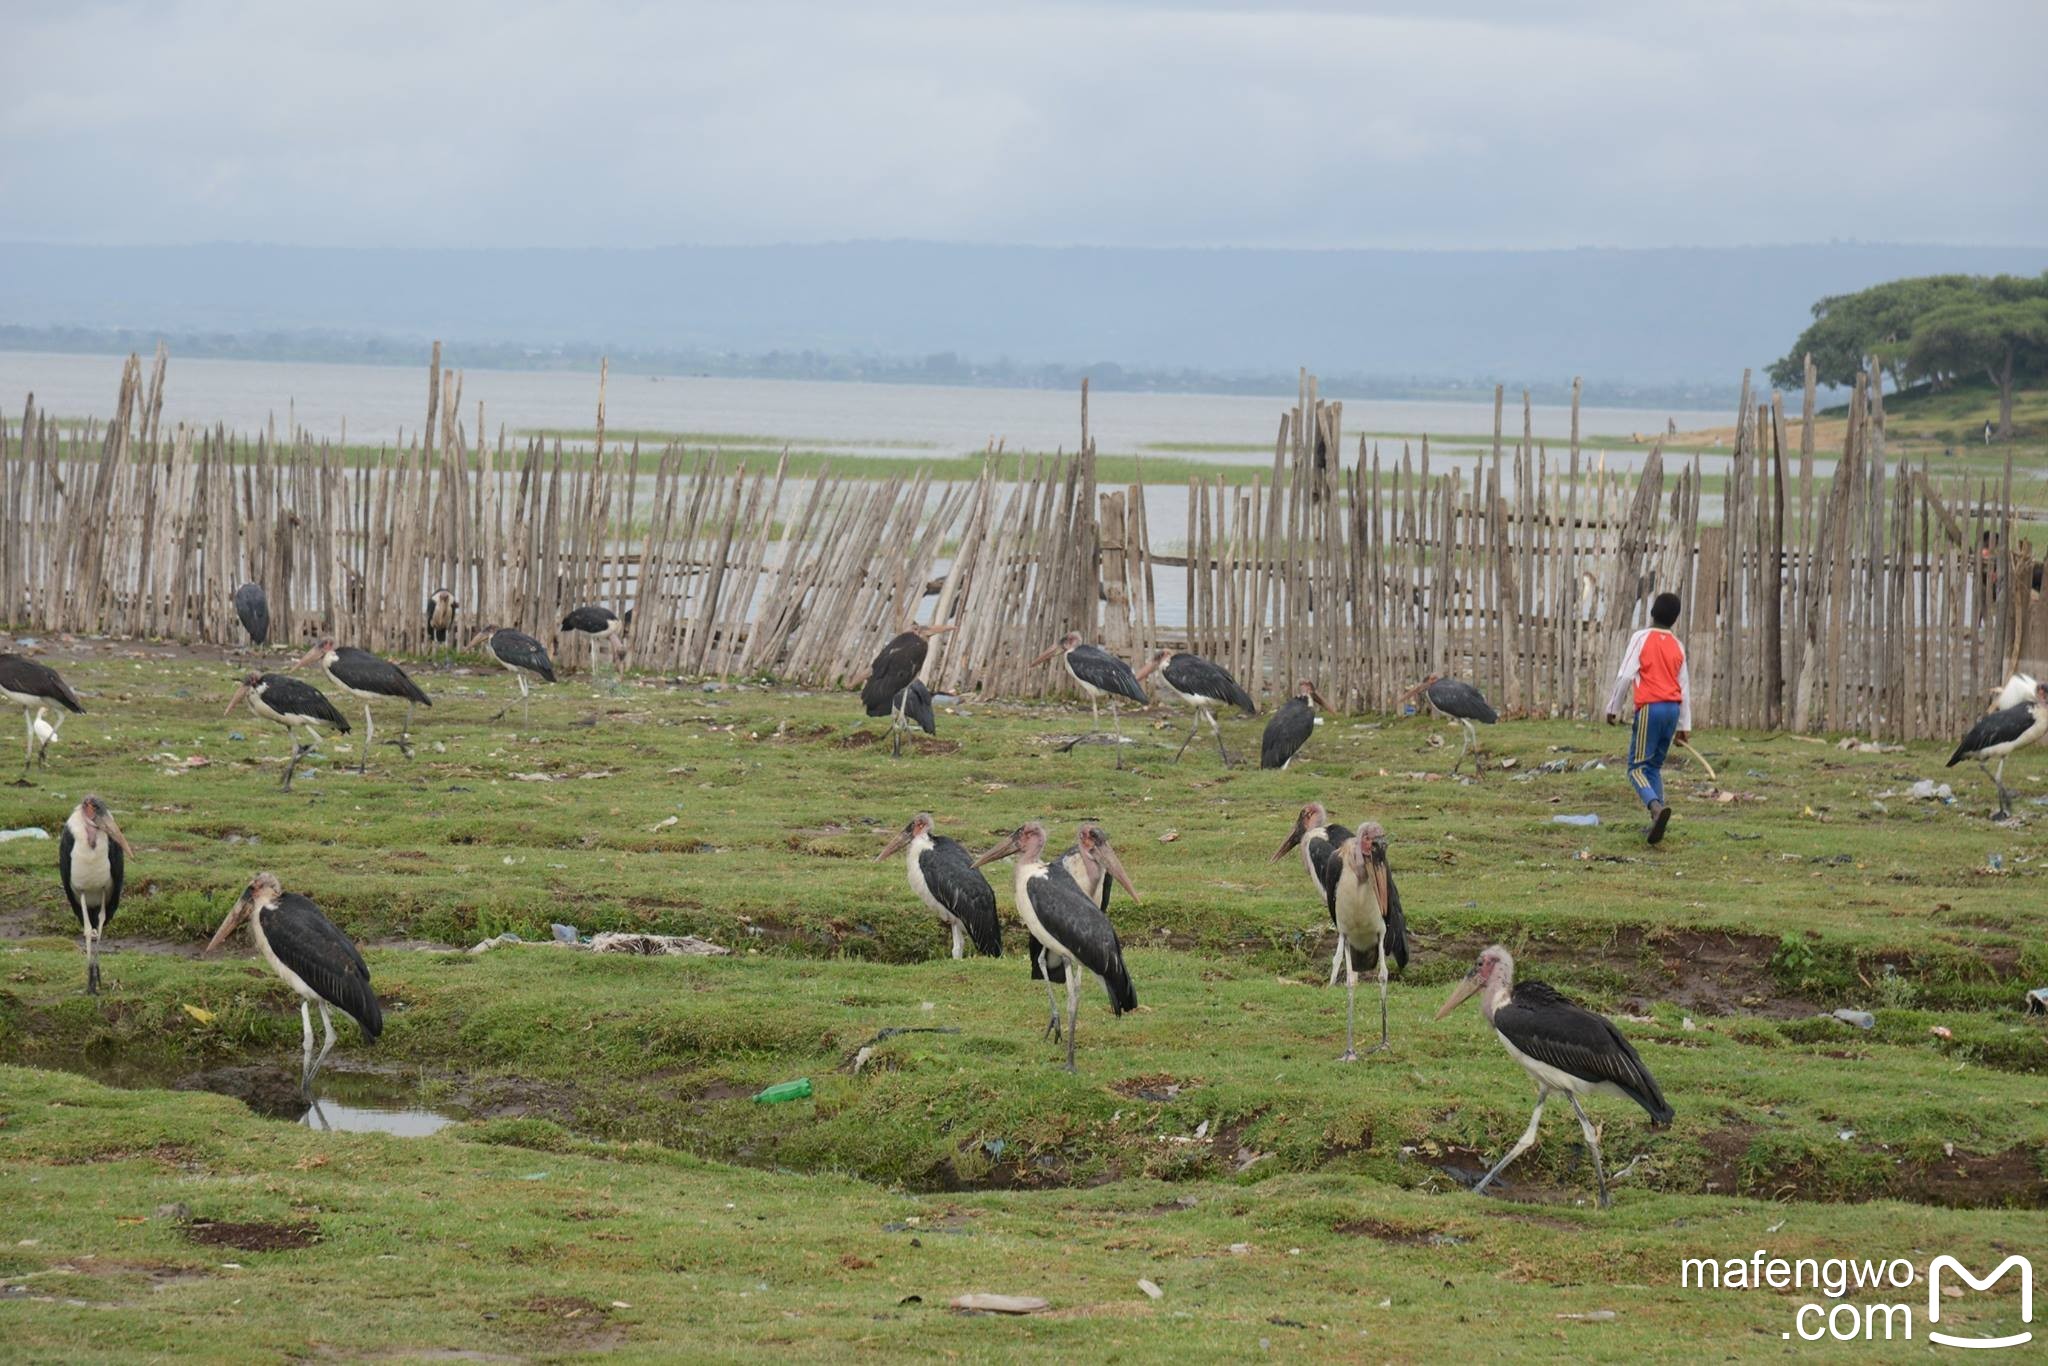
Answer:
(1664, 611)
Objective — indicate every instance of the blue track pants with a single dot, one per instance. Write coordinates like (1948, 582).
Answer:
(1649, 741)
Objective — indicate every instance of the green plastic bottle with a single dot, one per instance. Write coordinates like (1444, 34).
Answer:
(786, 1090)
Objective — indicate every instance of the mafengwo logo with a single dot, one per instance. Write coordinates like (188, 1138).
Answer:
(1843, 1316)
(1934, 1270)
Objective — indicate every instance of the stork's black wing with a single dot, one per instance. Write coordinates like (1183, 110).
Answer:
(962, 888)
(288, 696)
(917, 707)
(589, 619)
(1330, 867)
(1552, 1029)
(1099, 668)
(66, 841)
(254, 609)
(1287, 732)
(365, 672)
(1456, 697)
(1195, 676)
(307, 942)
(20, 674)
(893, 669)
(1084, 932)
(1397, 925)
(522, 651)
(1994, 728)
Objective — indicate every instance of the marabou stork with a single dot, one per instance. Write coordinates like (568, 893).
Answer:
(1100, 674)
(289, 702)
(1564, 1048)
(891, 675)
(1997, 734)
(441, 610)
(1319, 838)
(943, 875)
(91, 859)
(1090, 863)
(915, 702)
(2017, 692)
(596, 623)
(1366, 907)
(522, 655)
(1198, 683)
(1075, 932)
(28, 684)
(1291, 726)
(369, 677)
(312, 957)
(253, 607)
(1459, 700)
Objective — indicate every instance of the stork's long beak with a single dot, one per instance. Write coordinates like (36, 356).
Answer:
(1145, 670)
(1001, 851)
(309, 656)
(1467, 987)
(902, 839)
(1105, 854)
(1300, 829)
(241, 691)
(113, 832)
(1411, 694)
(233, 922)
(1316, 693)
(481, 637)
(1050, 652)
(941, 630)
(1377, 865)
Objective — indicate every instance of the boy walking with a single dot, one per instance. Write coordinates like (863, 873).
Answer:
(1655, 667)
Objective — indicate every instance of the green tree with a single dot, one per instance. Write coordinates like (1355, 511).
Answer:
(2000, 327)
(1850, 332)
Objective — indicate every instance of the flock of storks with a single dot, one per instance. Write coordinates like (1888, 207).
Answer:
(1062, 900)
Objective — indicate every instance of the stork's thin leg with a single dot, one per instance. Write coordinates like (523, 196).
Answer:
(1384, 1044)
(92, 970)
(1337, 959)
(525, 704)
(327, 1023)
(1521, 1144)
(1593, 1146)
(1193, 731)
(1997, 776)
(959, 941)
(298, 753)
(896, 723)
(306, 1054)
(1116, 723)
(317, 1113)
(1471, 744)
(28, 748)
(1052, 999)
(369, 738)
(1223, 753)
(405, 732)
(1073, 1009)
(1350, 1010)
(92, 952)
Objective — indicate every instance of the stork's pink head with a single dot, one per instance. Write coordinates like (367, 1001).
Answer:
(1027, 841)
(1493, 974)
(1095, 846)
(1153, 665)
(1312, 817)
(920, 824)
(1307, 689)
(1066, 642)
(321, 649)
(1419, 688)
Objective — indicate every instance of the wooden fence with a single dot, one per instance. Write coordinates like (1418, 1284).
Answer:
(1880, 599)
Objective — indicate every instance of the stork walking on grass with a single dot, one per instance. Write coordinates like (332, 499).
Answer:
(253, 607)
(1565, 1048)
(522, 655)
(1091, 863)
(945, 878)
(1291, 726)
(1073, 929)
(597, 624)
(1997, 734)
(892, 673)
(1100, 674)
(914, 703)
(91, 862)
(441, 610)
(369, 678)
(29, 684)
(312, 957)
(1463, 703)
(1198, 683)
(289, 702)
(1319, 838)
(1366, 907)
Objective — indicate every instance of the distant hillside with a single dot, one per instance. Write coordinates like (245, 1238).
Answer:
(1656, 319)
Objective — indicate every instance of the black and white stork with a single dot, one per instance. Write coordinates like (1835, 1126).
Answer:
(891, 675)
(1997, 734)
(441, 610)
(943, 875)
(1459, 700)
(1565, 1048)
(1319, 838)
(289, 702)
(594, 624)
(1091, 863)
(369, 678)
(915, 703)
(1100, 674)
(1196, 682)
(310, 956)
(522, 655)
(253, 607)
(1366, 907)
(92, 861)
(1073, 929)
(28, 684)
(1291, 726)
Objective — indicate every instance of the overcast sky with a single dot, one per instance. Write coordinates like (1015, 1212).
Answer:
(1411, 124)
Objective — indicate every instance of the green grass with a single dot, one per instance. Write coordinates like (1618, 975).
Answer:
(624, 1080)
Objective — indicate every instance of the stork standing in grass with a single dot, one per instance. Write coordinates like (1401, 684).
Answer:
(369, 678)
(1073, 929)
(1565, 1048)
(91, 862)
(1198, 683)
(1091, 863)
(289, 702)
(914, 704)
(1367, 909)
(1997, 734)
(1463, 703)
(29, 684)
(943, 875)
(522, 655)
(253, 607)
(441, 610)
(1291, 726)
(312, 957)
(892, 673)
(597, 624)
(1100, 674)
(1319, 838)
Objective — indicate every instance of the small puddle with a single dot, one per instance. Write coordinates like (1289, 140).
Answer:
(346, 1101)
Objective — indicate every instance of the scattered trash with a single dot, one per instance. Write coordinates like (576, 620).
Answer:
(566, 934)
(1862, 1019)
(1995, 862)
(1775, 1227)
(1169, 837)
(1927, 790)
(1941, 1031)
(1590, 818)
(1592, 1316)
(663, 824)
(1846, 1134)
(1240, 1249)
(237, 735)
(27, 832)
(1001, 1304)
(1152, 1291)
(785, 1090)
(1687, 1025)
(199, 1013)
(2037, 1001)
(506, 938)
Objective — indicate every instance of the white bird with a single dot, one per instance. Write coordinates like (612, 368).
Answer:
(92, 862)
